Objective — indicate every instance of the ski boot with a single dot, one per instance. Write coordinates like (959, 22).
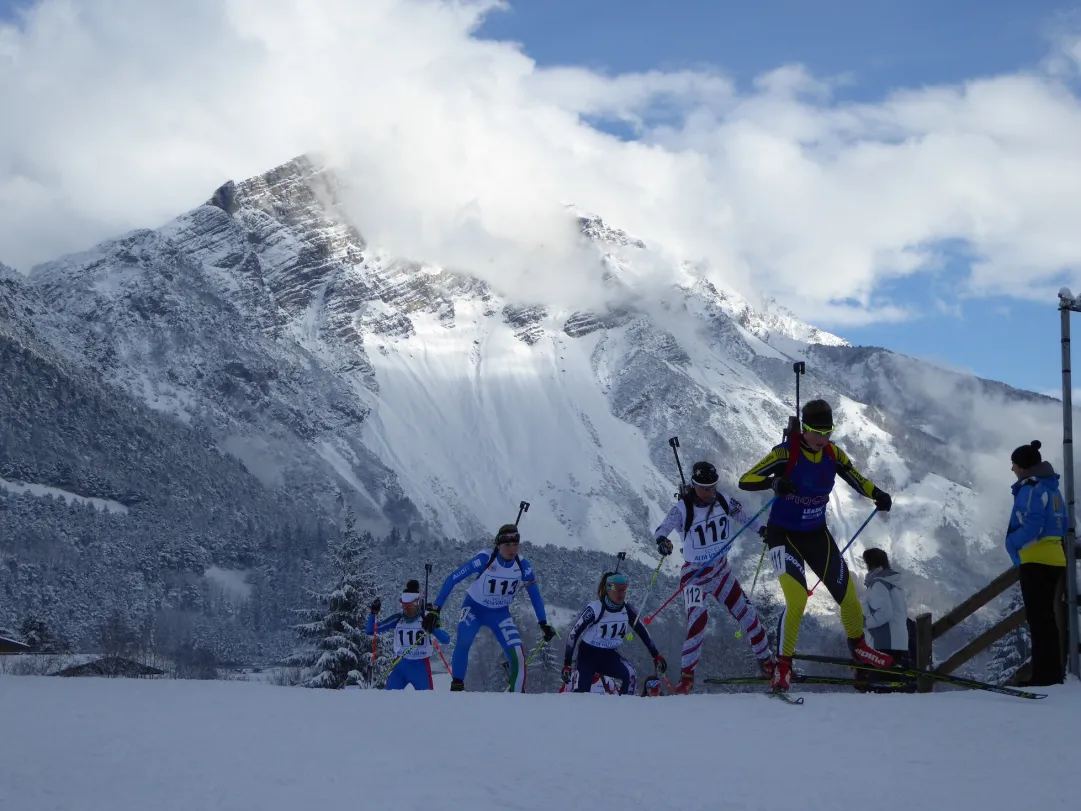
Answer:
(866, 655)
(768, 666)
(686, 683)
(781, 678)
(457, 686)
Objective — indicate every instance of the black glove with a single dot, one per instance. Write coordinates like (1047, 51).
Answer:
(376, 605)
(431, 619)
(664, 546)
(762, 532)
(566, 674)
(783, 486)
(548, 631)
(883, 502)
(660, 664)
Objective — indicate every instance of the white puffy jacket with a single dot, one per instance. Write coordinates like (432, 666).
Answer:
(885, 610)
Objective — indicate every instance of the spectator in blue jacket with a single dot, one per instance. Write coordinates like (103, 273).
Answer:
(1034, 541)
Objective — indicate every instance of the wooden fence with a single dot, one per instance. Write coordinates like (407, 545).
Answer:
(928, 630)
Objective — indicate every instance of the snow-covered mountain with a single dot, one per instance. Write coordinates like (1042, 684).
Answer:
(438, 402)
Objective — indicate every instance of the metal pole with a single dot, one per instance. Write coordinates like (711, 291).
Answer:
(1073, 665)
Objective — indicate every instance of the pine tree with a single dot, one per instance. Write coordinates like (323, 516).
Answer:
(1013, 650)
(339, 648)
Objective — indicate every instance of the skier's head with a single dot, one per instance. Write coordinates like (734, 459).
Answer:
(875, 558)
(613, 588)
(817, 424)
(411, 599)
(651, 686)
(507, 541)
(1025, 458)
(704, 480)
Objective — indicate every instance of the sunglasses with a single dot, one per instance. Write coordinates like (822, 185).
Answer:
(819, 431)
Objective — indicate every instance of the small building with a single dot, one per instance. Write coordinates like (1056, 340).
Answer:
(11, 646)
(112, 666)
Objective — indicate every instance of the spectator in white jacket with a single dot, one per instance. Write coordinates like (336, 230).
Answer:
(885, 611)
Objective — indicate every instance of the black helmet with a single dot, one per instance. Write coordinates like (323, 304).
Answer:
(703, 474)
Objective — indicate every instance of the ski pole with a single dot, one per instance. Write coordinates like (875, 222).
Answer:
(375, 639)
(709, 562)
(758, 568)
(673, 443)
(441, 656)
(656, 571)
(540, 645)
(858, 531)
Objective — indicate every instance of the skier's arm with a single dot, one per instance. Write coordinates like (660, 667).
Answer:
(735, 508)
(1028, 509)
(879, 606)
(640, 629)
(760, 477)
(529, 579)
(441, 636)
(856, 480)
(584, 621)
(674, 520)
(389, 624)
(471, 566)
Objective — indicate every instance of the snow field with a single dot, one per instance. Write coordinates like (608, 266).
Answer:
(121, 745)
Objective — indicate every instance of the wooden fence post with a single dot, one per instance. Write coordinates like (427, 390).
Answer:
(924, 639)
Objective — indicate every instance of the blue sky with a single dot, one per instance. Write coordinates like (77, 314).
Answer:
(881, 45)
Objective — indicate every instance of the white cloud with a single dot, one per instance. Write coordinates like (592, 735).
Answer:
(121, 114)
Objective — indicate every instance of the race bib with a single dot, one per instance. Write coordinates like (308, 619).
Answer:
(693, 596)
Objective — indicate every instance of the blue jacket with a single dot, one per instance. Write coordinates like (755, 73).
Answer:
(1038, 520)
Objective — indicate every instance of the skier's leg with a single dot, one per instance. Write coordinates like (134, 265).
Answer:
(726, 590)
(398, 678)
(506, 632)
(587, 666)
(468, 626)
(694, 585)
(788, 565)
(420, 674)
(828, 563)
(620, 668)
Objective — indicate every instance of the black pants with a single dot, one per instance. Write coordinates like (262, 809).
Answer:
(607, 662)
(1038, 589)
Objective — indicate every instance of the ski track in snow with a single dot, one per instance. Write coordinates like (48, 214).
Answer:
(126, 745)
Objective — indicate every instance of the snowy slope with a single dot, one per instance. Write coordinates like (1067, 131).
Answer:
(78, 744)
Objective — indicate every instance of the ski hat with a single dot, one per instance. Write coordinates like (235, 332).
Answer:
(508, 533)
(818, 416)
(703, 474)
(411, 592)
(616, 579)
(1027, 456)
